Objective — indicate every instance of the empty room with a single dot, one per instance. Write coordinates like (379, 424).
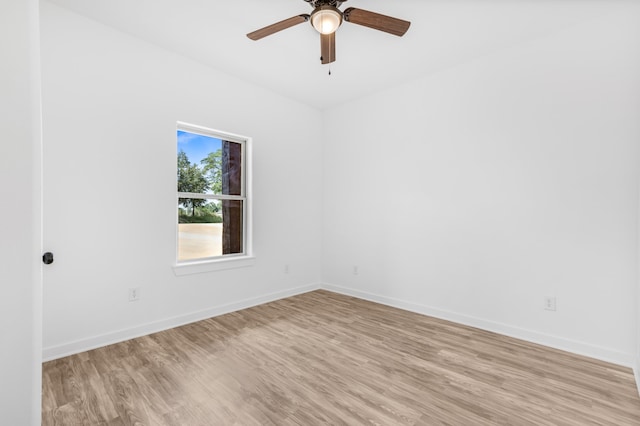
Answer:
(302, 212)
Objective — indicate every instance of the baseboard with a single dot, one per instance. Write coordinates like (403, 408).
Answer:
(71, 348)
(552, 341)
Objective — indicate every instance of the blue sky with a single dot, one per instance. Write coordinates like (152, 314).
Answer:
(196, 146)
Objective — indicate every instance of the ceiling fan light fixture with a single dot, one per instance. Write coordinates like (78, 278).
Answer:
(326, 19)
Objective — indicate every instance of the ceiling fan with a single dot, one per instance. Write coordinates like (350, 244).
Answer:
(326, 18)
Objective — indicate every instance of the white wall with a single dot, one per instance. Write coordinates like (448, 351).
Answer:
(110, 106)
(20, 188)
(474, 193)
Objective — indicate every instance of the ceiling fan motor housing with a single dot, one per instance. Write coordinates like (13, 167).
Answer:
(317, 3)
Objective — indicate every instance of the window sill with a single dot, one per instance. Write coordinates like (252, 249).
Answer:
(189, 268)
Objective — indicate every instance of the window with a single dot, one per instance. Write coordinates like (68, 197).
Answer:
(211, 195)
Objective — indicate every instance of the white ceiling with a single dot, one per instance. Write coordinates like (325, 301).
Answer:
(443, 33)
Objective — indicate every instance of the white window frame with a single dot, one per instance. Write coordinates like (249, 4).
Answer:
(228, 261)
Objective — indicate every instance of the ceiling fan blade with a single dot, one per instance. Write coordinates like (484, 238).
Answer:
(278, 26)
(376, 21)
(328, 48)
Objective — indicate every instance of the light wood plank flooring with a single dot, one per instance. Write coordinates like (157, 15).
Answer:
(324, 358)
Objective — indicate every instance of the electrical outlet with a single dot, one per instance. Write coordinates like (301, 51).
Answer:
(286, 269)
(134, 294)
(355, 270)
(550, 303)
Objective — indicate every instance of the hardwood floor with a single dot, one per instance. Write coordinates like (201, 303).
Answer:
(324, 358)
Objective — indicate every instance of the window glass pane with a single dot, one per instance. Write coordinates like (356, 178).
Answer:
(199, 228)
(232, 241)
(231, 168)
(208, 165)
(208, 228)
